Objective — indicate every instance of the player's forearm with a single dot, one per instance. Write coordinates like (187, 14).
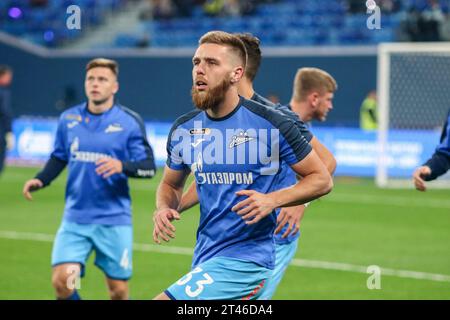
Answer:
(189, 198)
(439, 165)
(139, 169)
(325, 155)
(307, 189)
(51, 170)
(168, 196)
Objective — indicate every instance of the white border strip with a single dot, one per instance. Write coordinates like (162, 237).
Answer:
(314, 264)
(396, 47)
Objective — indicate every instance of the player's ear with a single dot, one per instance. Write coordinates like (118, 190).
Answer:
(313, 98)
(116, 87)
(237, 74)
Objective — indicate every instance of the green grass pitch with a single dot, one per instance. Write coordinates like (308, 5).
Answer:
(356, 225)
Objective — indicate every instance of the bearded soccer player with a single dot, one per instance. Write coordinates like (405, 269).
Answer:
(102, 143)
(288, 219)
(236, 185)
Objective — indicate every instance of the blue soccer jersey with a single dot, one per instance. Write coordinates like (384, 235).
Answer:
(240, 151)
(286, 176)
(81, 139)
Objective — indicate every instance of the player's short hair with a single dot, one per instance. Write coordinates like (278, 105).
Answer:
(227, 39)
(253, 54)
(4, 69)
(104, 63)
(312, 79)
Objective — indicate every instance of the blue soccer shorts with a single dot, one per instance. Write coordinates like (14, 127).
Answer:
(75, 242)
(221, 278)
(284, 253)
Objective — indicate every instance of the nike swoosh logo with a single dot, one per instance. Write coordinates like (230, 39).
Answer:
(196, 143)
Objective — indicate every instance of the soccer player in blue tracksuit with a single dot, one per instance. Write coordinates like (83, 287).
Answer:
(6, 136)
(313, 92)
(233, 146)
(102, 143)
(438, 164)
(288, 219)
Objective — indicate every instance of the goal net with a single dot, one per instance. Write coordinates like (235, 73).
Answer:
(413, 101)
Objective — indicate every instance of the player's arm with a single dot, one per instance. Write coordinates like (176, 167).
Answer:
(292, 216)
(438, 164)
(324, 154)
(51, 170)
(54, 166)
(168, 198)
(189, 198)
(316, 182)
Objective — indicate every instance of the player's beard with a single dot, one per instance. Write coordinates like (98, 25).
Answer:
(211, 98)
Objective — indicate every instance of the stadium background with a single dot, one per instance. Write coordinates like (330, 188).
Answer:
(357, 225)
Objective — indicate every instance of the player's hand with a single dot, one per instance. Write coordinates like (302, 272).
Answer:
(290, 216)
(106, 167)
(418, 177)
(162, 226)
(10, 141)
(256, 207)
(30, 186)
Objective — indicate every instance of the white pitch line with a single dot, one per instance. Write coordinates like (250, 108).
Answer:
(388, 200)
(363, 269)
(314, 264)
(333, 197)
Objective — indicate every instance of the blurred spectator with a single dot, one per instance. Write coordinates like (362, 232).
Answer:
(429, 25)
(184, 7)
(368, 118)
(38, 3)
(213, 7)
(163, 9)
(389, 6)
(432, 17)
(6, 136)
(231, 8)
(356, 6)
(409, 27)
(445, 28)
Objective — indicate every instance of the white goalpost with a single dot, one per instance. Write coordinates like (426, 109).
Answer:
(413, 90)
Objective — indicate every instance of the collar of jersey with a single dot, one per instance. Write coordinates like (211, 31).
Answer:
(228, 115)
(86, 109)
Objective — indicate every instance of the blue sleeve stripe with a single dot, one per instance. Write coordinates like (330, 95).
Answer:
(299, 122)
(284, 124)
(140, 122)
(444, 145)
(260, 99)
